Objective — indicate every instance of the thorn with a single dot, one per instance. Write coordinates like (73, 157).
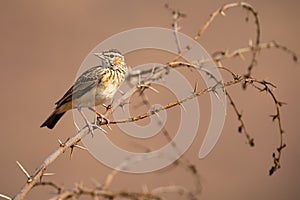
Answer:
(139, 79)
(281, 103)
(217, 95)
(157, 115)
(101, 129)
(62, 144)
(108, 126)
(122, 105)
(107, 107)
(247, 19)
(5, 197)
(223, 13)
(251, 142)
(274, 117)
(153, 70)
(272, 170)
(196, 86)
(280, 148)
(295, 58)
(182, 107)
(148, 87)
(250, 43)
(96, 183)
(239, 116)
(152, 88)
(236, 77)
(241, 56)
(72, 150)
(153, 110)
(145, 189)
(48, 174)
(122, 93)
(80, 147)
(24, 171)
(77, 128)
(240, 128)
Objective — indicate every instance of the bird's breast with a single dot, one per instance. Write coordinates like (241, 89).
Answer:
(105, 90)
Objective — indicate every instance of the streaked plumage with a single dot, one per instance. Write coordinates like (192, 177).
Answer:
(93, 87)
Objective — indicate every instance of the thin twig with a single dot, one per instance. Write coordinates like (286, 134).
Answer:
(36, 177)
(221, 11)
(277, 116)
(242, 126)
(221, 55)
(176, 15)
(155, 74)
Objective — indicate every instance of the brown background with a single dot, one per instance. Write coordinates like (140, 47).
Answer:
(43, 44)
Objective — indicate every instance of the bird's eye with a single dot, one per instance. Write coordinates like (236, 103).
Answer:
(111, 55)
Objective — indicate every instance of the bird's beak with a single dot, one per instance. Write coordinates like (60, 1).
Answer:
(100, 55)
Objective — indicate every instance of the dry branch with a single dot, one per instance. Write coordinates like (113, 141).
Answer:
(156, 74)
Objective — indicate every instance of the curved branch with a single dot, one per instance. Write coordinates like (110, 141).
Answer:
(221, 11)
(38, 174)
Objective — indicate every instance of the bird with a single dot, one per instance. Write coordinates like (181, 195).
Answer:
(93, 87)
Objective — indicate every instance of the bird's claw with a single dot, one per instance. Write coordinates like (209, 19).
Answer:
(101, 119)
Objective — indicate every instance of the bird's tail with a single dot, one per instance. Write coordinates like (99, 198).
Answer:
(52, 119)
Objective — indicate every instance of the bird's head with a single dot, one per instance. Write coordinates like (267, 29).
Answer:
(111, 58)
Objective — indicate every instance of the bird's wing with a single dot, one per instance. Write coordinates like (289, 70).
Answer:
(83, 84)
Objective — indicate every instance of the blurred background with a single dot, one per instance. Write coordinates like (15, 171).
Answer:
(43, 44)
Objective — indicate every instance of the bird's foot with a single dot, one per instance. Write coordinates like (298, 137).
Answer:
(101, 119)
